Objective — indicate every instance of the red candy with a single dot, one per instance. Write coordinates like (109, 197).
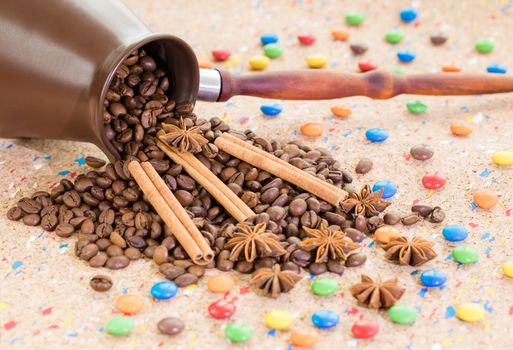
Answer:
(366, 66)
(221, 309)
(434, 181)
(365, 329)
(306, 39)
(221, 55)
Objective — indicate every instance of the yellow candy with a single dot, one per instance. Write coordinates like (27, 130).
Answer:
(278, 319)
(503, 157)
(259, 62)
(316, 61)
(470, 312)
(507, 268)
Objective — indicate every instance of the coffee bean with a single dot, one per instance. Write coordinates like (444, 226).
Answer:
(318, 268)
(94, 162)
(31, 219)
(101, 283)
(356, 259)
(364, 166)
(98, 260)
(114, 250)
(360, 223)
(171, 271)
(160, 255)
(64, 230)
(358, 49)
(244, 266)
(335, 266)
(186, 279)
(391, 218)
(297, 207)
(354, 234)
(89, 251)
(14, 214)
(411, 219)
(197, 270)
(83, 184)
(117, 262)
(276, 213)
(132, 253)
(170, 326)
(29, 206)
(71, 199)
(436, 216)
(422, 210)
(421, 152)
(49, 222)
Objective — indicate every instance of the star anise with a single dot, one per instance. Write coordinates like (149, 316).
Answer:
(377, 294)
(414, 252)
(185, 139)
(255, 241)
(329, 245)
(275, 281)
(364, 202)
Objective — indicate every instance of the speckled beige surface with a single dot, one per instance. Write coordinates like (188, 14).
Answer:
(45, 299)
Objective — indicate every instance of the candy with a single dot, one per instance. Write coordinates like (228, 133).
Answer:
(507, 268)
(402, 314)
(366, 66)
(304, 338)
(455, 233)
(205, 64)
(129, 304)
(221, 309)
(170, 326)
(464, 254)
(340, 35)
(394, 36)
(259, 62)
(325, 286)
(358, 49)
(220, 284)
(164, 290)
(503, 157)
(416, 107)
(470, 312)
(376, 134)
(306, 39)
(451, 69)
(421, 152)
(460, 129)
(389, 188)
(408, 14)
(341, 111)
(120, 325)
(316, 61)
(433, 278)
(438, 39)
(406, 55)
(238, 332)
(278, 319)
(485, 45)
(354, 18)
(485, 199)
(325, 319)
(273, 50)
(311, 129)
(221, 55)
(365, 329)
(271, 110)
(497, 68)
(386, 234)
(434, 181)
(269, 38)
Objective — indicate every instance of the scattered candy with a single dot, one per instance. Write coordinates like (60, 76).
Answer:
(389, 188)
(306, 39)
(485, 199)
(273, 50)
(238, 332)
(507, 268)
(358, 49)
(503, 157)
(278, 319)
(170, 326)
(354, 18)
(304, 338)
(438, 39)
(259, 62)
(455, 233)
(461, 129)
(221, 55)
(120, 325)
(340, 35)
(416, 107)
(220, 284)
(366, 66)
(269, 38)
(386, 234)
(365, 329)
(311, 129)
(433, 278)
(325, 319)
(451, 69)
(221, 309)
(325, 286)
(394, 36)
(485, 45)
(271, 110)
(408, 14)
(341, 111)
(406, 55)
(129, 304)
(434, 181)
(164, 290)
(470, 312)
(316, 61)
(465, 255)
(421, 152)
(376, 135)
(402, 314)
(497, 68)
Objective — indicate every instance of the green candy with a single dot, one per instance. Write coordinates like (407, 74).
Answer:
(485, 45)
(120, 325)
(354, 18)
(273, 50)
(398, 70)
(324, 286)
(416, 107)
(402, 314)
(464, 254)
(238, 332)
(394, 36)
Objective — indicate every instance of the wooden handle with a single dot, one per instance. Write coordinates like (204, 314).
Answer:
(324, 85)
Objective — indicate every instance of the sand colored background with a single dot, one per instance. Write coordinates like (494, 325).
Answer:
(45, 299)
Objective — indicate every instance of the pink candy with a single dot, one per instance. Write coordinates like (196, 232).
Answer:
(365, 329)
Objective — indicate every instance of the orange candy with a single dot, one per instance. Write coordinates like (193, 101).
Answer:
(485, 199)
(451, 69)
(220, 284)
(129, 304)
(460, 129)
(304, 338)
(205, 64)
(340, 34)
(341, 111)
(385, 234)
(311, 129)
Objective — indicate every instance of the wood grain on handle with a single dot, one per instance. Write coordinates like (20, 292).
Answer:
(325, 84)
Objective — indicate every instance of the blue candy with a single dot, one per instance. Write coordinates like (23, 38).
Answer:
(164, 290)
(376, 135)
(389, 188)
(433, 278)
(455, 233)
(269, 38)
(408, 14)
(497, 68)
(406, 56)
(325, 319)
(271, 110)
